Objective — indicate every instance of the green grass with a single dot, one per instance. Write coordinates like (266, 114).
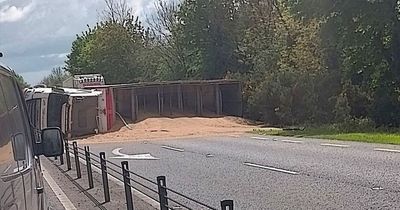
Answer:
(326, 133)
(382, 138)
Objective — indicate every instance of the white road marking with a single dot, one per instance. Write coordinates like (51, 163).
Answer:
(292, 141)
(386, 150)
(5, 171)
(18, 169)
(145, 198)
(120, 155)
(68, 205)
(271, 168)
(173, 148)
(336, 145)
(259, 138)
(233, 136)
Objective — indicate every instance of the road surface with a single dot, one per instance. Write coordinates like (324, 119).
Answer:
(260, 172)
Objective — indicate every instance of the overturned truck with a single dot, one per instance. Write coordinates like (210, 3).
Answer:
(138, 101)
(77, 112)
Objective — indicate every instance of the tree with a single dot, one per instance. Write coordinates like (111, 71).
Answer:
(117, 11)
(286, 60)
(200, 33)
(118, 48)
(169, 48)
(56, 78)
(20, 80)
(370, 55)
(301, 61)
(216, 37)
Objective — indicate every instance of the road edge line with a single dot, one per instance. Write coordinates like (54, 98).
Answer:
(386, 150)
(61, 196)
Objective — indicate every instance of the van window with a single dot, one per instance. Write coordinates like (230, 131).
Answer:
(6, 152)
(14, 154)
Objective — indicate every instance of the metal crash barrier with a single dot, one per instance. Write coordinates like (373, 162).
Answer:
(158, 190)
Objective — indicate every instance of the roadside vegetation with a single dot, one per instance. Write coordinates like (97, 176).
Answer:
(20, 80)
(55, 78)
(360, 130)
(318, 62)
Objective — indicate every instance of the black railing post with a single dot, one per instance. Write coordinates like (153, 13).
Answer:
(127, 185)
(162, 192)
(77, 163)
(89, 167)
(61, 160)
(104, 176)
(67, 156)
(227, 205)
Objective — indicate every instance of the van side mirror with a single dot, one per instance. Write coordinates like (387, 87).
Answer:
(52, 142)
(19, 147)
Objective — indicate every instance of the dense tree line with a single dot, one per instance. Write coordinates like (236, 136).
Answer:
(301, 61)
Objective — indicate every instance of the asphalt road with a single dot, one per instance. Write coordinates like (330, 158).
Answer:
(272, 172)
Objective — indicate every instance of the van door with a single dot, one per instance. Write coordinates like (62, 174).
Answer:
(12, 195)
(16, 168)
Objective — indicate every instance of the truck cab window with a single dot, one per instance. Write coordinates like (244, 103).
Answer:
(34, 108)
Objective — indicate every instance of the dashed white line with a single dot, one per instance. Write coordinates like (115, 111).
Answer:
(259, 138)
(386, 150)
(271, 168)
(68, 205)
(173, 148)
(335, 145)
(292, 141)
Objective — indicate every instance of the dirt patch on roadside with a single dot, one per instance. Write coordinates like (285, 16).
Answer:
(6, 153)
(164, 128)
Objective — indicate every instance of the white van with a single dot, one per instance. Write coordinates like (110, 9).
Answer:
(21, 181)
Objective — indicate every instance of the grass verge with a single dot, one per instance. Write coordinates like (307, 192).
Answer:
(325, 133)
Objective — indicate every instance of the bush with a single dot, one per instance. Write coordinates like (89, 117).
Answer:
(356, 125)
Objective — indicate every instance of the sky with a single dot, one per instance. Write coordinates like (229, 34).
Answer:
(36, 35)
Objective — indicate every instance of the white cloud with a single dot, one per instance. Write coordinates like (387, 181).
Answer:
(55, 55)
(142, 7)
(39, 33)
(12, 13)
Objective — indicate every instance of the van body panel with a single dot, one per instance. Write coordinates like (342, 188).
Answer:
(20, 173)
